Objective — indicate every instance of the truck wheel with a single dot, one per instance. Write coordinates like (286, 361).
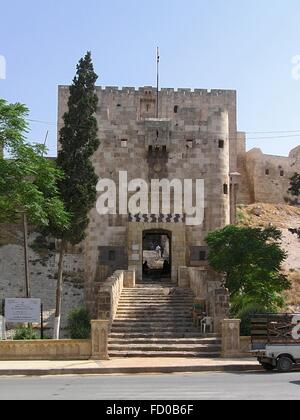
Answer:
(284, 364)
(268, 367)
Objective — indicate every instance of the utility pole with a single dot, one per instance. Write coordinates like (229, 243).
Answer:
(26, 259)
(157, 91)
(46, 138)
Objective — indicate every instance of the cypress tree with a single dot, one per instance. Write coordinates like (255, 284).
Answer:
(78, 142)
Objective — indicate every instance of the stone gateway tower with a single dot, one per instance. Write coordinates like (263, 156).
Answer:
(194, 137)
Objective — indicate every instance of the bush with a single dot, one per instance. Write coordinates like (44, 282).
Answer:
(25, 333)
(246, 314)
(79, 324)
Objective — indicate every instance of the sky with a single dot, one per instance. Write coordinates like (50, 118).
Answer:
(215, 44)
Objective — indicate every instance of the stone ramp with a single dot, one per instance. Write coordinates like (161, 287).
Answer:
(155, 320)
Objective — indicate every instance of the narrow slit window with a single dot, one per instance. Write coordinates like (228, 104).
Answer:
(267, 171)
(124, 143)
(281, 173)
(175, 109)
(225, 188)
(221, 144)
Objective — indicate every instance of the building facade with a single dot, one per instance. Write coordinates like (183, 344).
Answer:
(188, 134)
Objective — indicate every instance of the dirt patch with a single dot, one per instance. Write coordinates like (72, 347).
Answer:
(10, 235)
(261, 215)
(282, 217)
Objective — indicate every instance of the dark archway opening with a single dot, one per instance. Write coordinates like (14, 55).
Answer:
(157, 255)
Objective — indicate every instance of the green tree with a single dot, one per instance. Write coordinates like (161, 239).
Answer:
(28, 180)
(251, 259)
(78, 141)
(295, 185)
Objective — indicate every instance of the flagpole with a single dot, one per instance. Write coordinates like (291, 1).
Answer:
(157, 91)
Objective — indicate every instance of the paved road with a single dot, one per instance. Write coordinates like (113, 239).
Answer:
(165, 387)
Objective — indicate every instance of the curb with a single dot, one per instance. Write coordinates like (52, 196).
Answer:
(130, 370)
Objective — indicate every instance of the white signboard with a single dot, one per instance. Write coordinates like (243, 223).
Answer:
(23, 310)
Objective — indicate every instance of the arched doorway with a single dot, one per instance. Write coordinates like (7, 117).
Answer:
(157, 254)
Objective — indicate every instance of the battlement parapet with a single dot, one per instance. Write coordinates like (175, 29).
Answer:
(164, 91)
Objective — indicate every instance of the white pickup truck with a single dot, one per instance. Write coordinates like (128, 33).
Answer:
(273, 341)
(278, 356)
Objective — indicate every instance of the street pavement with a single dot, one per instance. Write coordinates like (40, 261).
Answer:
(203, 386)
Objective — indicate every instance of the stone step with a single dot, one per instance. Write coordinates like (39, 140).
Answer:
(155, 310)
(161, 335)
(154, 354)
(162, 294)
(145, 323)
(158, 293)
(153, 314)
(156, 301)
(165, 347)
(168, 305)
(151, 309)
(158, 310)
(174, 330)
(155, 319)
(165, 340)
(158, 298)
(166, 293)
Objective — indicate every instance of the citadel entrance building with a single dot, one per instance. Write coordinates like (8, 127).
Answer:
(195, 137)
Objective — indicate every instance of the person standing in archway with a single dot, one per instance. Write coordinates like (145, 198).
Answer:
(158, 252)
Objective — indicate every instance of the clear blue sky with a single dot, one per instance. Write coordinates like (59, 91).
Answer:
(245, 45)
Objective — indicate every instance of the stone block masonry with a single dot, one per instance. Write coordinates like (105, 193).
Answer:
(43, 270)
(195, 137)
(45, 350)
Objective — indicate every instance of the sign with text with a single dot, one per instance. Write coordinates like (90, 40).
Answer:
(23, 310)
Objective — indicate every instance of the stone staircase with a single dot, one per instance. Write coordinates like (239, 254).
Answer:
(155, 320)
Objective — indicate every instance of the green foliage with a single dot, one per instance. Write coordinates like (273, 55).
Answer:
(28, 180)
(295, 185)
(79, 324)
(240, 216)
(25, 333)
(251, 259)
(79, 141)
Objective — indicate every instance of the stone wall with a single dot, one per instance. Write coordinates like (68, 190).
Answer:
(201, 280)
(207, 286)
(245, 346)
(109, 295)
(43, 269)
(46, 350)
(266, 178)
(195, 137)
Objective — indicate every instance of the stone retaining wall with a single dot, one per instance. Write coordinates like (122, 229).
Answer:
(43, 264)
(207, 286)
(46, 350)
(245, 346)
(110, 293)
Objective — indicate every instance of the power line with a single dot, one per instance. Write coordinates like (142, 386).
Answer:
(290, 135)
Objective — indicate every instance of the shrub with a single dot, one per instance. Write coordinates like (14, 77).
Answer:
(25, 333)
(79, 324)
